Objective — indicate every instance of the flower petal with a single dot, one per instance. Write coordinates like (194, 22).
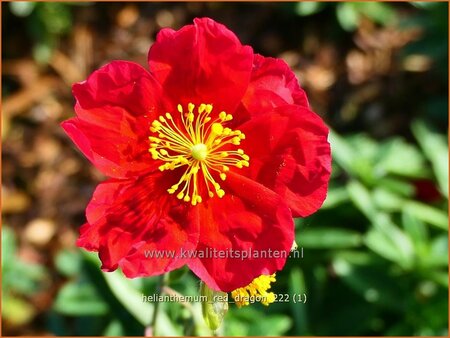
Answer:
(248, 217)
(202, 63)
(114, 108)
(113, 140)
(289, 153)
(123, 84)
(135, 225)
(272, 84)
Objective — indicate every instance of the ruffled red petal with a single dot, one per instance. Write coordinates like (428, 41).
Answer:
(248, 217)
(114, 108)
(202, 63)
(272, 84)
(137, 226)
(289, 153)
(122, 84)
(116, 143)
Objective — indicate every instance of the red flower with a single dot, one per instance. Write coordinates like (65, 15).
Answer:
(234, 153)
(426, 190)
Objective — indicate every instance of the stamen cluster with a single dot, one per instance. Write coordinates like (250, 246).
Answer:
(198, 142)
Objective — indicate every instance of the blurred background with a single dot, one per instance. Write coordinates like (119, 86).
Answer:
(375, 257)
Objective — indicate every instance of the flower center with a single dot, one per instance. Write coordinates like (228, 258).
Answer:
(199, 151)
(200, 144)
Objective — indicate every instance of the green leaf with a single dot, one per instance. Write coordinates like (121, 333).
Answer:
(8, 247)
(342, 152)
(347, 16)
(79, 299)
(215, 307)
(178, 274)
(200, 326)
(27, 278)
(435, 148)
(382, 245)
(382, 13)
(133, 301)
(300, 315)
(397, 186)
(417, 231)
(335, 197)
(427, 214)
(361, 198)
(366, 147)
(358, 257)
(273, 325)
(18, 276)
(438, 254)
(329, 238)
(439, 247)
(129, 297)
(114, 329)
(248, 321)
(388, 241)
(365, 152)
(386, 200)
(305, 8)
(394, 154)
(440, 277)
(425, 4)
(68, 262)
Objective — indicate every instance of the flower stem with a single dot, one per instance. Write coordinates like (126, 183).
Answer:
(158, 291)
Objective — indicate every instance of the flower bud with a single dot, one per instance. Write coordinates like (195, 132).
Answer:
(214, 307)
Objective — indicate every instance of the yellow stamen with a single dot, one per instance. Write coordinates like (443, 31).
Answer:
(255, 291)
(196, 140)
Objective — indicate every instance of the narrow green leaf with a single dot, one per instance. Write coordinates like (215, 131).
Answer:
(130, 298)
(381, 245)
(8, 247)
(297, 286)
(394, 154)
(335, 197)
(361, 198)
(397, 186)
(133, 300)
(68, 262)
(79, 299)
(435, 148)
(342, 152)
(386, 200)
(439, 277)
(415, 228)
(438, 254)
(329, 238)
(390, 242)
(428, 214)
